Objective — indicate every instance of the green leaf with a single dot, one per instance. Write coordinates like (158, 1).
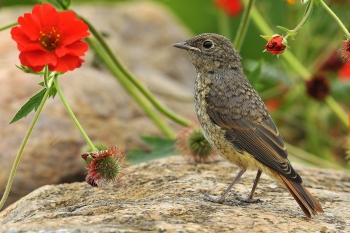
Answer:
(52, 91)
(284, 29)
(160, 147)
(290, 33)
(28, 70)
(32, 104)
(306, 11)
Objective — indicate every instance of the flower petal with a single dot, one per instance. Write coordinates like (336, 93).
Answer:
(32, 46)
(23, 42)
(71, 28)
(20, 37)
(25, 62)
(46, 14)
(40, 58)
(30, 26)
(77, 48)
(66, 63)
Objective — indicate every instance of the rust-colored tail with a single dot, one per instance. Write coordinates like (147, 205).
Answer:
(306, 201)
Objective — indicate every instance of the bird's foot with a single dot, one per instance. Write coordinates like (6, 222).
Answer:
(247, 199)
(220, 200)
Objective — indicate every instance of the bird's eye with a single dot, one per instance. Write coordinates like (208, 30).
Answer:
(208, 44)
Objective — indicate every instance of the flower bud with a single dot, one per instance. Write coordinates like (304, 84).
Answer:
(192, 143)
(346, 50)
(105, 166)
(318, 87)
(276, 44)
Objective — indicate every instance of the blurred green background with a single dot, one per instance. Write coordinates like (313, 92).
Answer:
(304, 122)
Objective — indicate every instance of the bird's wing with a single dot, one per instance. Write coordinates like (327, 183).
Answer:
(262, 140)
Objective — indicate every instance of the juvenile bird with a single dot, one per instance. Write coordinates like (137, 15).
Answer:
(236, 121)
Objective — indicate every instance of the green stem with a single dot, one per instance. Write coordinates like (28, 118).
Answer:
(306, 16)
(338, 110)
(70, 112)
(243, 26)
(335, 17)
(125, 82)
(8, 26)
(287, 55)
(296, 65)
(20, 151)
(223, 24)
(46, 76)
(260, 22)
(176, 118)
(63, 6)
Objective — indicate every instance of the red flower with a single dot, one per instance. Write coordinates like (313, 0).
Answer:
(344, 72)
(272, 104)
(105, 166)
(47, 37)
(232, 7)
(276, 44)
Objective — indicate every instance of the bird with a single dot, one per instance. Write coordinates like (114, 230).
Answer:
(236, 122)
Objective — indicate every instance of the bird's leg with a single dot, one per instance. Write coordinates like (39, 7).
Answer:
(221, 199)
(249, 198)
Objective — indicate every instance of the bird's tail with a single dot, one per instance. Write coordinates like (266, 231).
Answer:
(306, 201)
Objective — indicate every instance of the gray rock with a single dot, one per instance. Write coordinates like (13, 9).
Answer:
(166, 195)
(141, 34)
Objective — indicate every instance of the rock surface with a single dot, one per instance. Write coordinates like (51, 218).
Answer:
(141, 35)
(166, 195)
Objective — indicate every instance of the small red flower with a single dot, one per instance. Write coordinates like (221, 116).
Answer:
(232, 7)
(105, 166)
(272, 104)
(318, 87)
(47, 37)
(346, 50)
(276, 44)
(344, 72)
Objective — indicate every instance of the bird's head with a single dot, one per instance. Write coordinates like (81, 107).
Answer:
(210, 52)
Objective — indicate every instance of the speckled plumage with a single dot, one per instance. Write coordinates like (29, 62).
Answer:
(236, 121)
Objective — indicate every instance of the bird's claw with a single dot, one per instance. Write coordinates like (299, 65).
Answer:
(247, 199)
(220, 200)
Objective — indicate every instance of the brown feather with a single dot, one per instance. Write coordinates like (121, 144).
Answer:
(305, 200)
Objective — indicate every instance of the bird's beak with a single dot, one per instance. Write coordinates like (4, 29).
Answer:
(185, 46)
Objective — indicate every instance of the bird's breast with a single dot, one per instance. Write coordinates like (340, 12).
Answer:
(211, 131)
